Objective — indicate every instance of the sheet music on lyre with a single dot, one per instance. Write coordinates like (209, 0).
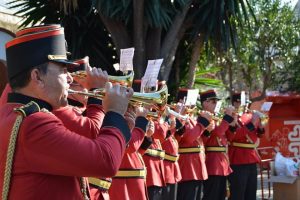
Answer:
(192, 96)
(126, 59)
(116, 66)
(150, 77)
(218, 107)
(243, 98)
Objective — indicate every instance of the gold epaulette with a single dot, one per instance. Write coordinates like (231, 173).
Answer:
(28, 109)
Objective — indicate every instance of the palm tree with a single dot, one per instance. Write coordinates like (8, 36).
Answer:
(154, 27)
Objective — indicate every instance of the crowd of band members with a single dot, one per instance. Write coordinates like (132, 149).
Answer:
(169, 158)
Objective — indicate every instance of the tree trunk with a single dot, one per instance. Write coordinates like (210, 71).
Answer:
(177, 62)
(174, 30)
(168, 61)
(171, 41)
(153, 43)
(230, 75)
(197, 47)
(138, 38)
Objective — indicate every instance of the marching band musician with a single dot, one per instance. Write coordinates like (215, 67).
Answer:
(153, 159)
(79, 115)
(50, 155)
(243, 155)
(217, 162)
(130, 181)
(171, 166)
(191, 150)
(153, 156)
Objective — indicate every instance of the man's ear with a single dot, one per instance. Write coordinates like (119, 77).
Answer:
(36, 77)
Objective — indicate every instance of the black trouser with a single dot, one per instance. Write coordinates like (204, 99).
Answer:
(243, 182)
(214, 188)
(155, 193)
(169, 192)
(188, 190)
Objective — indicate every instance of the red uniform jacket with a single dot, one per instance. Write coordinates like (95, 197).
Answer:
(4, 94)
(49, 158)
(85, 126)
(192, 165)
(217, 163)
(131, 188)
(171, 168)
(155, 165)
(246, 134)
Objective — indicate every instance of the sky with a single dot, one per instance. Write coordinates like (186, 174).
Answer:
(292, 2)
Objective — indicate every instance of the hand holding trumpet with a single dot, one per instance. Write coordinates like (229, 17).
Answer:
(116, 98)
(207, 115)
(141, 111)
(95, 78)
(229, 111)
(130, 117)
(150, 129)
(211, 126)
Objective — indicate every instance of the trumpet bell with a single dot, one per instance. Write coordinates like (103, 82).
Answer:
(264, 118)
(158, 99)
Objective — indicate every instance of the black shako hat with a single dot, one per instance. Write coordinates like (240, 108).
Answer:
(136, 85)
(236, 97)
(182, 92)
(207, 95)
(35, 46)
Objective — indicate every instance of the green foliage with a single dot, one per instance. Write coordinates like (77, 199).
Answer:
(36, 11)
(269, 39)
(158, 13)
(86, 35)
(287, 77)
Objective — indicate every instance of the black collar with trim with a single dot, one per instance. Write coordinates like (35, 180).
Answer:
(24, 99)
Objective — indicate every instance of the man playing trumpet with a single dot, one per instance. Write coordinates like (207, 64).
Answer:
(191, 150)
(217, 162)
(243, 155)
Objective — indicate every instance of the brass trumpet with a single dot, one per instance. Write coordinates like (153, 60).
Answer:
(169, 111)
(264, 118)
(126, 80)
(158, 99)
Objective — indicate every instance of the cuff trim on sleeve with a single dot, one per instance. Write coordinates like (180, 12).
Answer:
(114, 119)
